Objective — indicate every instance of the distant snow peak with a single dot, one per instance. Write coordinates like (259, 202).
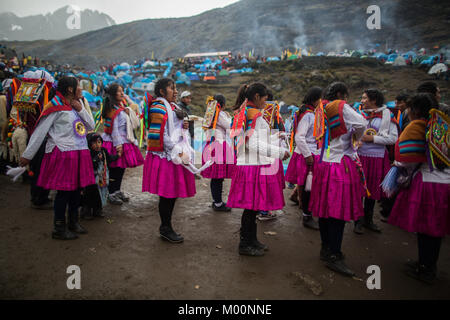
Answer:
(15, 27)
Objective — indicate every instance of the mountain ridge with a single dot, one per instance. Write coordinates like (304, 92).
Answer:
(263, 25)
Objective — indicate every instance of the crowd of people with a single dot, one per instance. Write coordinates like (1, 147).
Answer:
(340, 156)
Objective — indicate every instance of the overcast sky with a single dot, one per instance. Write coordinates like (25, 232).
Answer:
(120, 10)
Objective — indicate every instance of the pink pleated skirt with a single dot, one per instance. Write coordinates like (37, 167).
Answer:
(423, 208)
(375, 169)
(224, 160)
(280, 175)
(298, 170)
(164, 178)
(131, 157)
(66, 171)
(251, 189)
(337, 191)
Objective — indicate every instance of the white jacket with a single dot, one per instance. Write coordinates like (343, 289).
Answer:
(262, 148)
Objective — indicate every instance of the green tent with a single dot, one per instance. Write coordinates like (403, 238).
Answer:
(293, 57)
(224, 73)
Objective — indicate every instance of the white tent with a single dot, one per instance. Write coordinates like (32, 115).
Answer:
(399, 62)
(438, 68)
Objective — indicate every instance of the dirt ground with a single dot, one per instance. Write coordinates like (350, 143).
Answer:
(123, 257)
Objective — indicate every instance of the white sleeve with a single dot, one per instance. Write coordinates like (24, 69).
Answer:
(259, 142)
(391, 137)
(39, 135)
(87, 119)
(353, 120)
(224, 121)
(300, 136)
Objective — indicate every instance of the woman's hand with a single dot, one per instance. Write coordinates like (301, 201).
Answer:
(23, 162)
(76, 105)
(119, 150)
(367, 138)
(309, 160)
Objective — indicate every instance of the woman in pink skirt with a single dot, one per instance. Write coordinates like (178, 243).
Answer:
(161, 176)
(422, 208)
(381, 132)
(306, 152)
(337, 190)
(119, 139)
(221, 152)
(67, 165)
(255, 185)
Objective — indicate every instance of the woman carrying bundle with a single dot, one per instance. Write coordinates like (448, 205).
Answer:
(161, 175)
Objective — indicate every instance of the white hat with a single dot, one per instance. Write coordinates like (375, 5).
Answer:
(185, 94)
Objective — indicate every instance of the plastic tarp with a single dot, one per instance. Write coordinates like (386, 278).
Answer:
(399, 62)
(438, 68)
(273, 59)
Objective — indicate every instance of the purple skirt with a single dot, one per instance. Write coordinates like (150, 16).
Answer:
(423, 208)
(297, 171)
(130, 158)
(337, 191)
(251, 189)
(166, 179)
(224, 161)
(375, 169)
(66, 171)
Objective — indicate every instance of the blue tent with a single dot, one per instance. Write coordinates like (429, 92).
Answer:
(319, 54)
(244, 61)
(390, 104)
(91, 98)
(273, 59)
(392, 57)
(194, 77)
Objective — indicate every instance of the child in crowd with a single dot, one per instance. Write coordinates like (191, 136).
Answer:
(95, 197)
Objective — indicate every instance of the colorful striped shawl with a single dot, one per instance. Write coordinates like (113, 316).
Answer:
(411, 146)
(335, 118)
(109, 121)
(157, 120)
(58, 103)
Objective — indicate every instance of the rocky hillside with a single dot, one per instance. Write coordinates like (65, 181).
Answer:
(52, 26)
(290, 80)
(264, 25)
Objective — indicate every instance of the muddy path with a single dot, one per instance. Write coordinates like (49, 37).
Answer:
(123, 257)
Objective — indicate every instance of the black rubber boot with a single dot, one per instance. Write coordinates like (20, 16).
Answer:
(61, 233)
(368, 222)
(98, 213)
(86, 213)
(167, 234)
(325, 253)
(336, 263)
(255, 241)
(310, 223)
(247, 247)
(74, 223)
(423, 273)
(358, 229)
